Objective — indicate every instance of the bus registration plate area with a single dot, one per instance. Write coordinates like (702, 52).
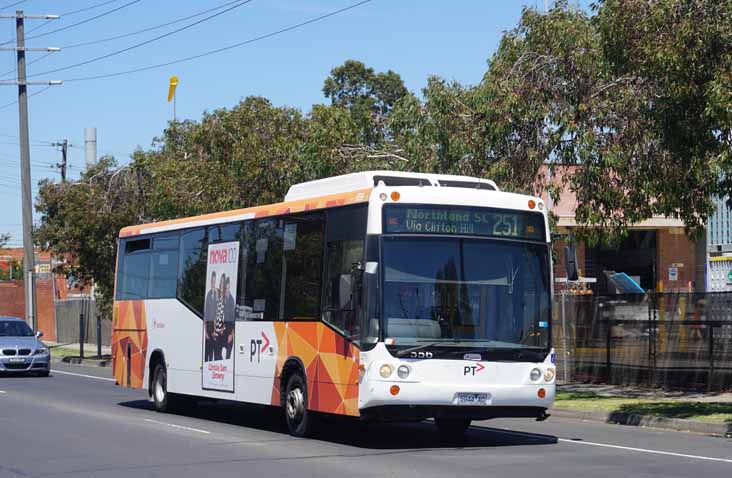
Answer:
(472, 399)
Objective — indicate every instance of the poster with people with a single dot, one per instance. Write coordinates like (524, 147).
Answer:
(219, 316)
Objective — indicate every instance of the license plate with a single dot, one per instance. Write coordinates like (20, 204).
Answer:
(471, 399)
(16, 360)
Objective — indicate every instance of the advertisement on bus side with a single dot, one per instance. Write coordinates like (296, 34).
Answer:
(219, 316)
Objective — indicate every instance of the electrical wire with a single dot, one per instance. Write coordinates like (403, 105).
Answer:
(8, 105)
(4, 77)
(149, 29)
(146, 42)
(90, 19)
(219, 50)
(12, 4)
(67, 14)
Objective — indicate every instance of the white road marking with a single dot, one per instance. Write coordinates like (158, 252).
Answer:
(619, 447)
(180, 427)
(2, 392)
(644, 450)
(83, 375)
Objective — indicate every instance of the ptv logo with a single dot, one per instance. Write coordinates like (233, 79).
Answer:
(256, 346)
(472, 369)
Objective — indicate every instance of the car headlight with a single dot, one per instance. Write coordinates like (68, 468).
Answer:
(549, 375)
(535, 375)
(41, 351)
(386, 370)
(403, 371)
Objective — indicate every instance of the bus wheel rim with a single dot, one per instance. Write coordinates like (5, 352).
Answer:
(159, 390)
(295, 404)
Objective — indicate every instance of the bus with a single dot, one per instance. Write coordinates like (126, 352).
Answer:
(380, 295)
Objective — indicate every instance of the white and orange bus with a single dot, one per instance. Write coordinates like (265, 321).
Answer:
(379, 295)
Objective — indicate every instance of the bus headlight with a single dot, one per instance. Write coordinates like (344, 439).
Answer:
(535, 375)
(403, 371)
(386, 370)
(549, 375)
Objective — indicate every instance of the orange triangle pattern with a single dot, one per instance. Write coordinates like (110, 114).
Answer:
(129, 333)
(331, 366)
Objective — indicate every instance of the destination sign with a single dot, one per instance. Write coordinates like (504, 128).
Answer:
(459, 220)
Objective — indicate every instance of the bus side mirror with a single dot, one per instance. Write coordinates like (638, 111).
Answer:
(570, 261)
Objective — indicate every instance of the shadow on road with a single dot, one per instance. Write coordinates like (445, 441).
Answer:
(352, 432)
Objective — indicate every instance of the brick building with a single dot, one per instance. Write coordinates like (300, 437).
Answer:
(657, 253)
(49, 287)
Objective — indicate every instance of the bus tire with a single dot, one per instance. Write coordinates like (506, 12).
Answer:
(452, 429)
(299, 419)
(159, 390)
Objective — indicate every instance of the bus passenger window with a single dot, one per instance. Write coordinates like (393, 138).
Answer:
(303, 252)
(264, 271)
(192, 269)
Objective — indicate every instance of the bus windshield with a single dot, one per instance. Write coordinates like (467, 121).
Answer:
(465, 292)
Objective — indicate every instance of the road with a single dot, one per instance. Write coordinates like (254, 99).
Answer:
(77, 423)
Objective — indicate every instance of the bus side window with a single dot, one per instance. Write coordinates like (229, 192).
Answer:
(345, 235)
(303, 266)
(192, 269)
(164, 267)
(132, 279)
(264, 270)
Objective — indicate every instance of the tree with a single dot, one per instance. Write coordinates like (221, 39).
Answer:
(367, 95)
(4, 238)
(80, 221)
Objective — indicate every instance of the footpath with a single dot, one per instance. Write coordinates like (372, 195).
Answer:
(700, 412)
(69, 353)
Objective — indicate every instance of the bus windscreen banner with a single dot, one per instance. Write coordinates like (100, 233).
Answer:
(219, 316)
(460, 220)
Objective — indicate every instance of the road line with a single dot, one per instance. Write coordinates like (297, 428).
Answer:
(644, 450)
(618, 447)
(180, 427)
(3, 392)
(83, 375)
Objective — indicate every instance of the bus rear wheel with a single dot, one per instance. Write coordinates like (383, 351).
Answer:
(452, 428)
(299, 419)
(159, 389)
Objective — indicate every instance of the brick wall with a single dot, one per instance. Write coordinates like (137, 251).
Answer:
(12, 303)
(673, 247)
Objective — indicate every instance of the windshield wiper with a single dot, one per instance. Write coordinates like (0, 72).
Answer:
(408, 351)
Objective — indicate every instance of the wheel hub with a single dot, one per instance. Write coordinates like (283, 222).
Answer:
(159, 390)
(295, 404)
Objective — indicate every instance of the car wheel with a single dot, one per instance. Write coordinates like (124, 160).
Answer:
(452, 429)
(299, 419)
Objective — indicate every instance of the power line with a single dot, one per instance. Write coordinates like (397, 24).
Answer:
(219, 50)
(145, 30)
(90, 19)
(73, 12)
(8, 105)
(3, 75)
(146, 42)
(12, 4)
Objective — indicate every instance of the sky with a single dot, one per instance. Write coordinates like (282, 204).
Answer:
(415, 38)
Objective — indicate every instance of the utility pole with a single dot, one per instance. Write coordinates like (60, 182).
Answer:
(25, 171)
(90, 147)
(64, 145)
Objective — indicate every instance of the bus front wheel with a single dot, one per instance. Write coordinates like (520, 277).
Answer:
(452, 428)
(299, 418)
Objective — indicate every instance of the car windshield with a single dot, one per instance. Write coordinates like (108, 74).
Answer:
(481, 293)
(14, 328)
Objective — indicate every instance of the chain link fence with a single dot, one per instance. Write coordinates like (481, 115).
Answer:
(668, 340)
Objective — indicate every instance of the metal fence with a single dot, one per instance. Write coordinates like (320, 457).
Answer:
(69, 321)
(669, 340)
